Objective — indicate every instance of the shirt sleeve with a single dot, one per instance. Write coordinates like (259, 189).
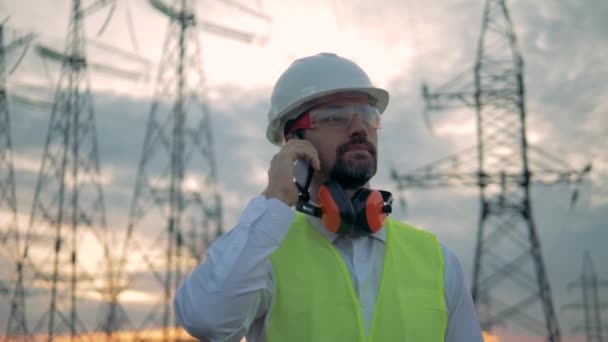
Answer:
(233, 287)
(463, 325)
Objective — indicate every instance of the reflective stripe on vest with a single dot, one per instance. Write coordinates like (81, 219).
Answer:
(315, 299)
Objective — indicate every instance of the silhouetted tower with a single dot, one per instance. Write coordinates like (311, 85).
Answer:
(176, 208)
(591, 304)
(66, 240)
(509, 279)
(11, 284)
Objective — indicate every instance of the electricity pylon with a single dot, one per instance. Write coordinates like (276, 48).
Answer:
(509, 278)
(591, 305)
(176, 209)
(67, 235)
(11, 285)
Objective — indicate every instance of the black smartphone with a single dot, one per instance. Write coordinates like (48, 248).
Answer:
(302, 170)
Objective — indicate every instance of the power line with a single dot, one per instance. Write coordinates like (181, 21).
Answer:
(591, 305)
(510, 283)
(176, 209)
(10, 236)
(68, 207)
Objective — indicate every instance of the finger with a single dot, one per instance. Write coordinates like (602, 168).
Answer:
(301, 149)
(306, 153)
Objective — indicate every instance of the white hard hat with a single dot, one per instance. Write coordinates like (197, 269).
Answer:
(312, 77)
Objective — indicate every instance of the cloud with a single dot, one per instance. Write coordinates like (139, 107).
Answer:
(401, 45)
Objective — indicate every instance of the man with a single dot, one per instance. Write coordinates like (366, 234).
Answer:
(337, 269)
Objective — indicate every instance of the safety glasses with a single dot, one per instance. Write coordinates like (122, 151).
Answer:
(342, 115)
(337, 116)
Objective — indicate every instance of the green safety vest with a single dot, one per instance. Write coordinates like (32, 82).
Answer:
(315, 299)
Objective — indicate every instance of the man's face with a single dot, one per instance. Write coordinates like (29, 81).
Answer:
(348, 153)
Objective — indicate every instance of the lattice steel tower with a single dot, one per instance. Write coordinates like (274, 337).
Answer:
(67, 237)
(509, 280)
(11, 243)
(591, 305)
(176, 208)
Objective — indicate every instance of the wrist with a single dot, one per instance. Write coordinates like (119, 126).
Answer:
(279, 195)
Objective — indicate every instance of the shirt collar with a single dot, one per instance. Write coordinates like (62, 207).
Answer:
(317, 224)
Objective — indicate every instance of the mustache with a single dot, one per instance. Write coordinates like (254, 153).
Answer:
(357, 140)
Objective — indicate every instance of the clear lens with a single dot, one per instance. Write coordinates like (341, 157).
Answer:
(342, 115)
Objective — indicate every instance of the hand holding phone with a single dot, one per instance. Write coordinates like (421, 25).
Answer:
(302, 172)
(290, 176)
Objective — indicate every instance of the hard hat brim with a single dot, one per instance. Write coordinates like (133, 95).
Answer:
(275, 134)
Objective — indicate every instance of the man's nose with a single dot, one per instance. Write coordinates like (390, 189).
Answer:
(357, 126)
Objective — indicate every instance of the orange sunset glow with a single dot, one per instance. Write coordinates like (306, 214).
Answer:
(152, 335)
(149, 335)
(488, 337)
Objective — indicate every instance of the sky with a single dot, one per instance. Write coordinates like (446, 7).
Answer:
(400, 44)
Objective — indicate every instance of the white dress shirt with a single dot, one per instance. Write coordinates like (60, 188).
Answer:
(230, 294)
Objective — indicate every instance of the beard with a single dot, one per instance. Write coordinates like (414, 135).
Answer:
(354, 173)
